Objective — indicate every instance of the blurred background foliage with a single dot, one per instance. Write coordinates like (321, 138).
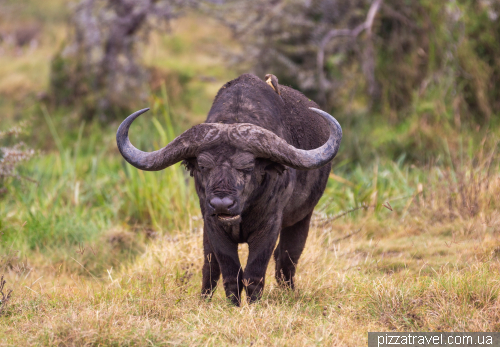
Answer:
(425, 70)
(400, 80)
(415, 85)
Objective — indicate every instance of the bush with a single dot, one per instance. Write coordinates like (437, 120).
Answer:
(12, 156)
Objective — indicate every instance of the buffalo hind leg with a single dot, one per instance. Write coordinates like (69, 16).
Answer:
(211, 270)
(287, 253)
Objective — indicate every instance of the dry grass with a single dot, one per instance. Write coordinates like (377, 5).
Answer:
(411, 274)
(424, 255)
(429, 264)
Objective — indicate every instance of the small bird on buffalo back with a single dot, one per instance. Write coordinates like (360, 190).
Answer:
(273, 82)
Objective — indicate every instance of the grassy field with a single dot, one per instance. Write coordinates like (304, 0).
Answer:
(428, 265)
(97, 253)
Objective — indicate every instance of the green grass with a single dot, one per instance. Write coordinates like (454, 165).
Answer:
(109, 255)
(343, 290)
(85, 190)
(99, 253)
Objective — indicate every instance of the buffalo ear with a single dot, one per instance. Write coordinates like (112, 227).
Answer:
(276, 167)
(190, 165)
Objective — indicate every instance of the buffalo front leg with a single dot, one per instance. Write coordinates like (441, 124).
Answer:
(260, 249)
(222, 257)
(211, 269)
(287, 253)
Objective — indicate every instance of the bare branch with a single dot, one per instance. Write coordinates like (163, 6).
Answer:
(366, 25)
(346, 236)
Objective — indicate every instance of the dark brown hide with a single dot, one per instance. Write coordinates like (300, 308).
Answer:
(247, 179)
(284, 203)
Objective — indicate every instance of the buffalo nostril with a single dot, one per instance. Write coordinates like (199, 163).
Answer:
(221, 204)
(215, 202)
(228, 202)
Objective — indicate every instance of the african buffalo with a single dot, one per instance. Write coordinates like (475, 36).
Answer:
(260, 164)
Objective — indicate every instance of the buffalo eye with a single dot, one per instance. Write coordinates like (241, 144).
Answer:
(204, 165)
(247, 170)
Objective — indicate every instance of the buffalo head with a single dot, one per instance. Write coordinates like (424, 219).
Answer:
(226, 178)
(229, 161)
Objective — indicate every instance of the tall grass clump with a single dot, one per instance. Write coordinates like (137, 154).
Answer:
(87, 197)
(166, 199)
(465, 185)
(362, 188)
(461, 183)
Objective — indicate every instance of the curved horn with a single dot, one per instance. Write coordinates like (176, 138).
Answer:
(182, 147)
(266, 144)
(260, 141)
